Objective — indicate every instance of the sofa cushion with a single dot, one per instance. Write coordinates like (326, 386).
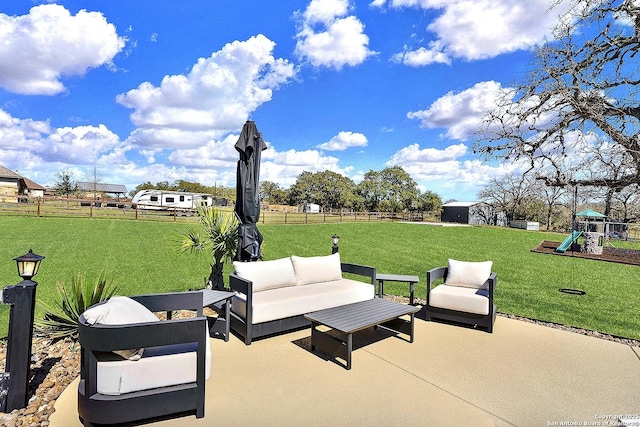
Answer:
(120, 311)
(460, 298)
(267, 274)
(468, 274)
(297, 300)
(316, 269)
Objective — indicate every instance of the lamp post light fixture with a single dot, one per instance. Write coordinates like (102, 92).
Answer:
(22, 299)
(335, 239)
(28, 264)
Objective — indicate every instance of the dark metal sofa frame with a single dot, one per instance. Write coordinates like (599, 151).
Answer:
(95, 408)
(246, 329)
(477, 320)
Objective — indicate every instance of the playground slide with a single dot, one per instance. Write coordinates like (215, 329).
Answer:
(566, 244)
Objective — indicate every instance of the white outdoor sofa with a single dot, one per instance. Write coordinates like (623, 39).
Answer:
(466, 296)
(273, 296)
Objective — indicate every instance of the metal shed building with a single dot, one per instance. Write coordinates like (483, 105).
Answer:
(97, 188)
(474, 213)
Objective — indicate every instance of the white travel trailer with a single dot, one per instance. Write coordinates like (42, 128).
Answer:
(166, 200)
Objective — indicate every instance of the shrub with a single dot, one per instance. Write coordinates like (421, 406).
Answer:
(218, 232)
(61, 320)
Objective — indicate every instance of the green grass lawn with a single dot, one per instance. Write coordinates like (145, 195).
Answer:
(141, 257)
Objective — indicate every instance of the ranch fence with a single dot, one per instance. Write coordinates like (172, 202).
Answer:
(115, 209)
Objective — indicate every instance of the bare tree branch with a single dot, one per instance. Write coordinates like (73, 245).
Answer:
(577, 114)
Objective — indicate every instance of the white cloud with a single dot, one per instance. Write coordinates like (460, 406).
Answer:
(479, 29)
(329, 38)
(344, 140)
(215, 97)
(424, 4)
(82, 145)
(284, 167)
(39, 48)
(461, 113)
(325, 11)
(445, 171)
(160, 138)
(214, 154)
(54, 149)
(14, 131)
(421, 56)
(413, 154)
(80, 149)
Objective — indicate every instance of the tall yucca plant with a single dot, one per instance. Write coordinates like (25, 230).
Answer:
(61, 320)
(218, 232)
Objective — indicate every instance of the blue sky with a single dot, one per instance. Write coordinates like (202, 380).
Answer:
(158, 91)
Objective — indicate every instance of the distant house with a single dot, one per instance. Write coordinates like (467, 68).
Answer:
(97, 189)
(32, 189)
(9, 185)
(13, 187)
(474, 213)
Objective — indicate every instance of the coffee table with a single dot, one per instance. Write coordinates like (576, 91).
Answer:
(345, 320)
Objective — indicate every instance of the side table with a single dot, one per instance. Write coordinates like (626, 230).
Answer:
(220, 302)
(411, 280)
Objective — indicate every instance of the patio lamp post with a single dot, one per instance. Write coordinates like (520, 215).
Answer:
(335, 239)
(21, 298)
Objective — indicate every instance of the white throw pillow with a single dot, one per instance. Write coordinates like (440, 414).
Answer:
(120, 311)
(267, 274)
(468, 274)
(316, 269)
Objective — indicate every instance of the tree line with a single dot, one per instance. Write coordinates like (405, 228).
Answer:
(389, 190)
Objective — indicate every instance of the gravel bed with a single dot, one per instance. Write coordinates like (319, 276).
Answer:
(55, 364)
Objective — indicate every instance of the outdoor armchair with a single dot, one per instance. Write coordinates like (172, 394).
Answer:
(465, 296)
(135, 366)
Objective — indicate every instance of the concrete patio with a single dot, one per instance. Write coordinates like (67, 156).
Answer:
(521, 375)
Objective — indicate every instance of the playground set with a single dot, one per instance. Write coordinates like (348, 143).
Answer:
(595, 231)
(597, 236)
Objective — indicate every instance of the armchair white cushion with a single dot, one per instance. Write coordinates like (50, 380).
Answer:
(468, 274)
(160, 367)
(120, 311)
(460, 298)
